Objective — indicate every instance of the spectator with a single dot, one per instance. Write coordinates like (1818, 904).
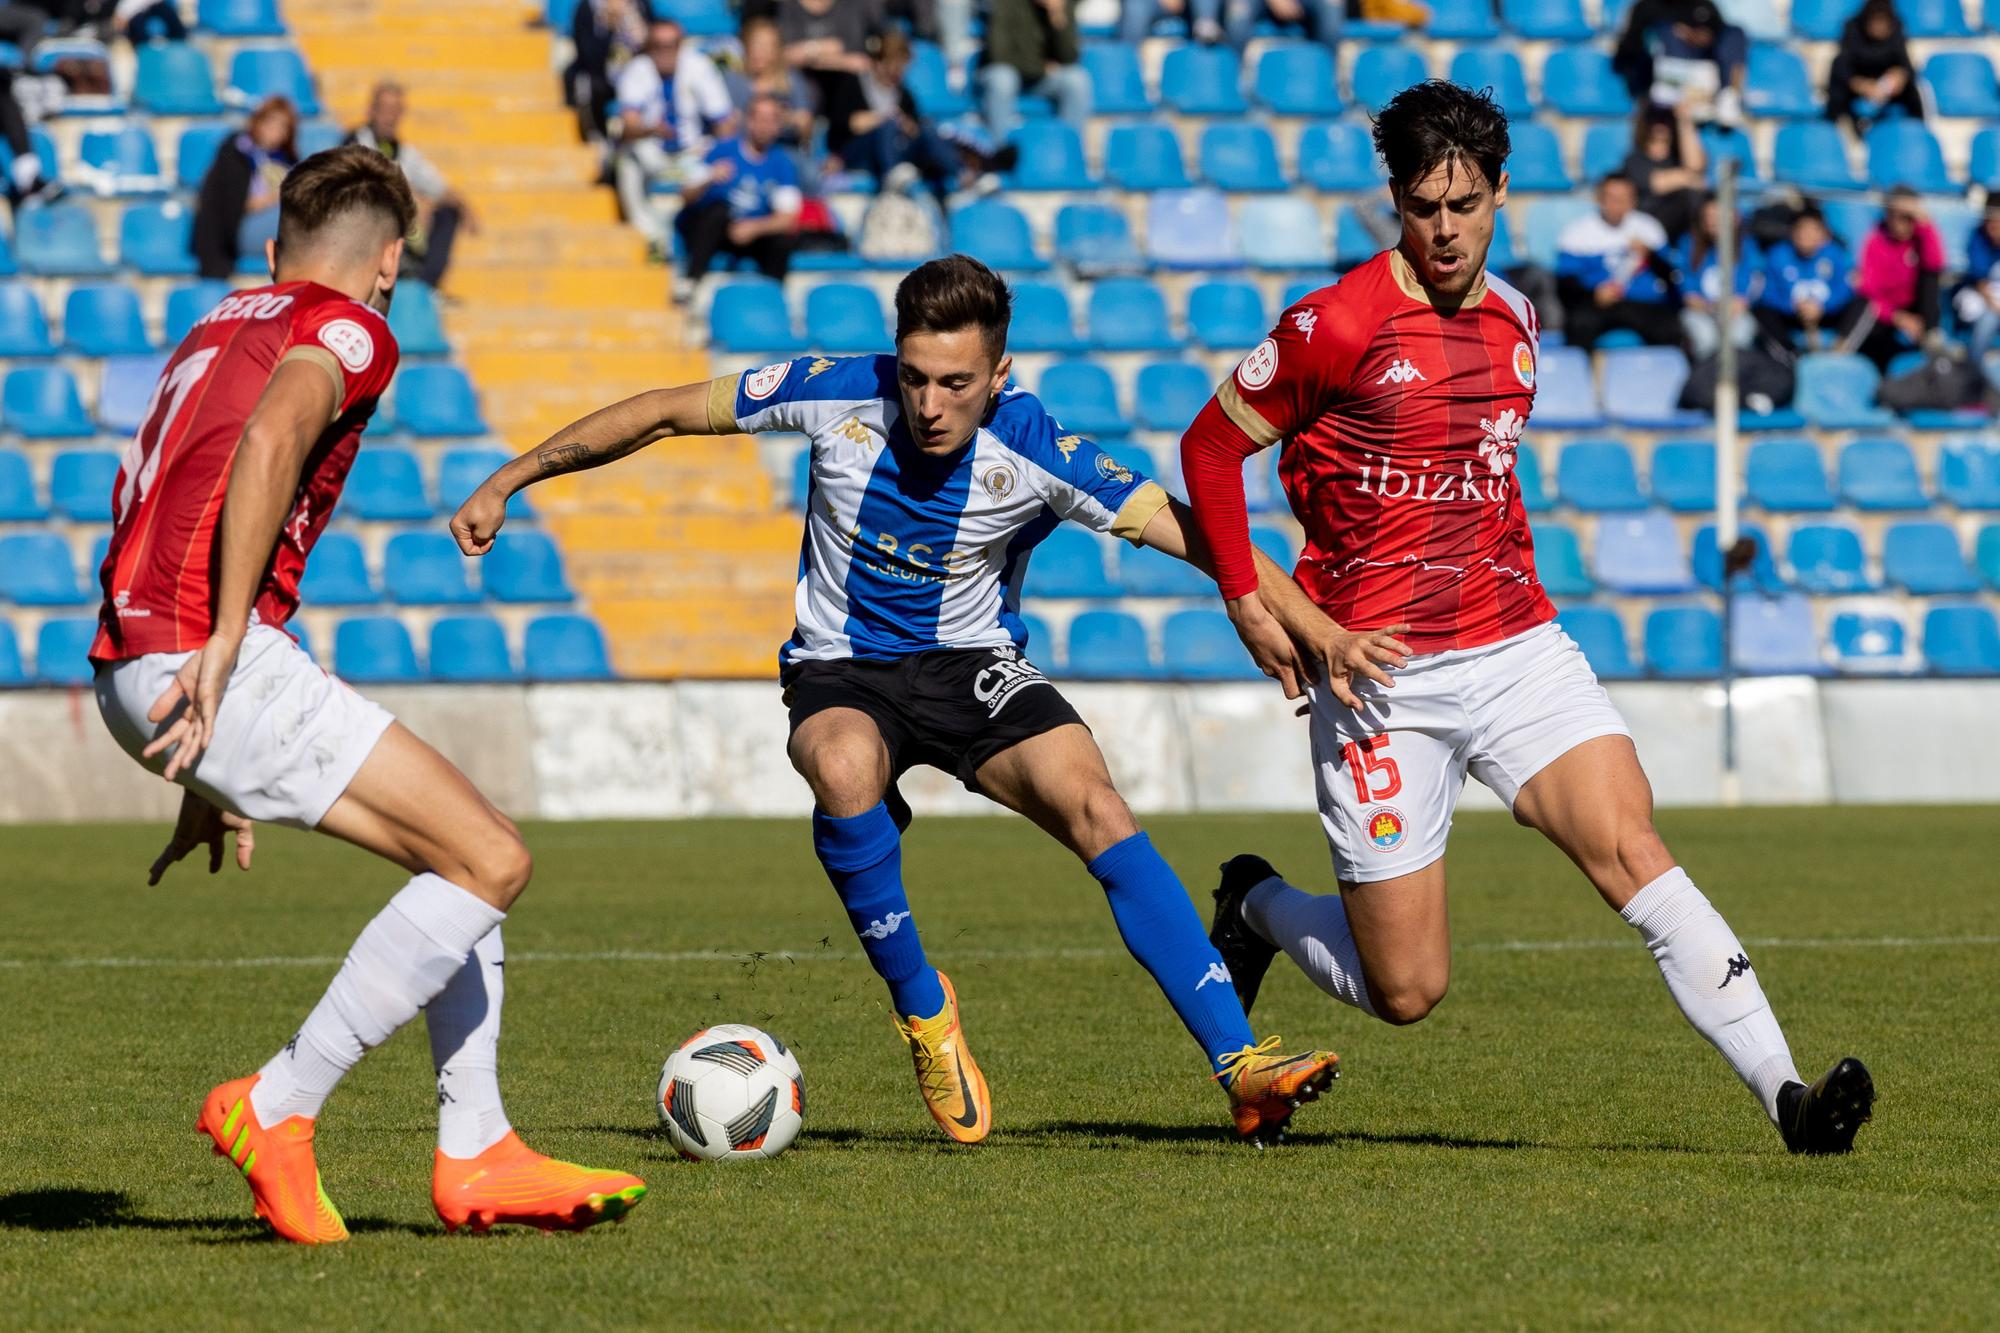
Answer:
(1668, 166)
(872, 123)
(669, 104)
(606, 34)
(1612, 271)
(1135, 23)
(827, 38)
(1682, 52)
(1872, 71)
(1808, 286)
(1319, 20)
(747, 202)
(237, 210)
(1902, 266)
(24, 178)
(142, 21)
(765, 71)
(1979, 299)
(441, 211)
(1698, 274)
(1031, 46)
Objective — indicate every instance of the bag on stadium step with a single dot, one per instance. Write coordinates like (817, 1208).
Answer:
(901, 227)
(1764, 382)
(1943, 383)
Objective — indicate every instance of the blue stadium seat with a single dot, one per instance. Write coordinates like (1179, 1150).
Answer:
(1382, 71)
(1826, 558)
(425, 569)
(316, 136)
(462, 469)
(190, 301)
(1643, 385)
(174, 79)
(1108, 645)
(1684, 642)
(1864, 643)
(1787, 476)
(1170, 394)
(1462, 21)
(1497, 70)
(1762, 576)
(413, 319)
(1683, 475)
(62, 650)
(1069, 563)
(996, 234)
(1190, 229)
(1547, 20)
(565, 647)
(1822, 20)
(1722, 144)
(1039, 641)
(1042, 320)
(81, 482)
(1117, 83)
(1777, 85)
(1226, 315)
(337, 574)
(103, 319)
(196, 152)
(1239, 156)
(1986, 554)
(258, 72)
(1081, 395)
(1297, 79)
(1202, 645)
(1353, 243)
(1969, 474)
(1299, 290)
(122, 162)
(1536, 164)
(701, 18)
(126, 391)
(1287, 234)
(1129, 315)
(1812, 155)
(469, 647)
(1850, 220)
(374, 650)
(58, 240)
(845, 317)
(12, 670)
(802, 479)
(154, 239)
(751, 317)
(1275, 543)
(41, 402)
(1203, 81)
(1338, 158)
(1923, 557)
(1566, 395)
(1600, 634)
(1836, 391)
(1774, 636)
(437, 400)
(36, 569)
(19, 502)
(1051, 158)
(1144, 157)
(1881, 474)
(1528, 476)
(24, 329)
(929, 81)
(1579, 81)
(1934, 18)
(1096, 238)
(1640, 553)
(1598, 476)
(241, 18)
(1546, 220)
(1962, 641)
(1962, 84)
(1905, 152)
(525, 566)
(1559, 561)
(1983, 165)
(386, 484)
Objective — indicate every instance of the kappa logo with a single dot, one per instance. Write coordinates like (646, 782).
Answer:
(855, 431)
(1738, 966)
(999, 482)
(887, 926)
(1401, 372)
(761, 384)
(819, 367)
(1007, 652)
(1306, 320)
(1068, 444)
(1216, 972)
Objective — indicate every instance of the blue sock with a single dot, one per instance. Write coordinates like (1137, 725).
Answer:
(863, 856)
(1160, 927)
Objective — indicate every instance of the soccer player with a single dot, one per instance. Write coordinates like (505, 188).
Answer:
(220, 498)
(932, 480)
(1402, 393)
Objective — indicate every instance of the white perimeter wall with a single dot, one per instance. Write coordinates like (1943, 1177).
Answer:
(651, 750)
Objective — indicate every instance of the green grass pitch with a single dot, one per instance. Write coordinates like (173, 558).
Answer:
(1553, 1147)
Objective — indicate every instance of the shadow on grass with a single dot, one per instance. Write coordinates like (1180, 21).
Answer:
(54, 1210)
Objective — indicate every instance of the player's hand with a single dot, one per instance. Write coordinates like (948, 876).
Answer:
(1271, 646)
(479, 520)
(193, 699)
(1347, 654)
(203, 823)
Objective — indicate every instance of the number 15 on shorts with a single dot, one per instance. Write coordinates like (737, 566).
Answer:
(1376, 777)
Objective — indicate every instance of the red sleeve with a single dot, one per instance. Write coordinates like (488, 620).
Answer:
(355, 345)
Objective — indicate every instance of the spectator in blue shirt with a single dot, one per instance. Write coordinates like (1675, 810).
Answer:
(1808, 286)
(1978, 300)
(1699, 276)
(747, 201)
(1612, 271)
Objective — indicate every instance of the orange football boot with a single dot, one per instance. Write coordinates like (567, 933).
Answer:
(953, 1088)
(512, 1183)
(1266, 1086)
(276, 1161)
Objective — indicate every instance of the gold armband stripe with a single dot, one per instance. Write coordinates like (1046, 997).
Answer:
(722, 405)
(1246, 418)
(1138, 511)
(324, 359)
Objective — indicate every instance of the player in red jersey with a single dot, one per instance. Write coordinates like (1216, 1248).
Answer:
(219, 500)
(1400, 395)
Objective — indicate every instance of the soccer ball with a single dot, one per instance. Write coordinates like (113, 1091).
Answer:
(730, 1092)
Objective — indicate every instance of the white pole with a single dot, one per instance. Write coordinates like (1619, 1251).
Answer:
(1726, 469)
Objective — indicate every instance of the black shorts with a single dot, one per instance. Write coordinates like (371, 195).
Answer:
(951, 708)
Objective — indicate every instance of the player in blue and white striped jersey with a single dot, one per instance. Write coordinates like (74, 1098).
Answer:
(932, 480)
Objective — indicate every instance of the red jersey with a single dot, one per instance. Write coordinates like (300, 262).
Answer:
(160, 574)
(1400, 426)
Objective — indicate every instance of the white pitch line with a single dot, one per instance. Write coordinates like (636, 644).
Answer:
(974, 955)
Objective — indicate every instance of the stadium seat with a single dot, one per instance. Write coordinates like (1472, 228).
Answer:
(1202, 645)
(1566, 395)
(1546, 220)
(1528, 476)
(1081, 395)
(1826, 558)
(1547, 20)
(190, 301)
(1787, 476)
(1170, 394)
(1923, 557)
(337, 574)
(1683, 475)
(1288, 234)
(1962, 641)
(240, 18)
(436, 400)
(701, 18)
(1096, 238)
(58, 240)
(1497, 70)
(1723, 144)
(1338, 158)
(36, 569)
(1821, 20)
(929, 81)
(1598, 476)
(1986, 554)
(751, 317)
(1969, 474)
(1962, 84)
(41, 403)
(1774, 636)
(425, 569)
(997, 235)
(374, 650)
(1145, 572)
(1190, 229)
(565, 647)
(1762, 576)
(1353, 243)
(1462, 21)
(196, 153)
(1578, 81)
(1042, 321)
(1240, 157)
(126, 391)
(525, 566)
(258, 72)
(1864, 643)
(1536, 164)
(81, 482)
(1776, 85)
(1640, 553)
(1069, 563)
(120, 162)
(1684, 642)
(174, 79)
(802, 479)
(1382, 71)
(1559, 561)
(1642, 385)
(62, 650)
(103, 319)
(1128, 315)
(1924, 19)
(19, 502)
(413, 319)
(1599, 632)
(1836, 391)
(1144, 157)
(154, 240)
(470, 647)
(1812, 154)
(845, 317)
(24, 329)
(386, 485)
(1297, 79)
(1117, 83)
(1108, 645)
(1203, 81)
(1904, 152)
(1051, 158)
(12, 670)
(1880, 474)
(1984, 161)
(1226, 315)
(462, 469)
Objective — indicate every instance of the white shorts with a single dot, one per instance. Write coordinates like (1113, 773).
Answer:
(288, 740)
(1389, 776)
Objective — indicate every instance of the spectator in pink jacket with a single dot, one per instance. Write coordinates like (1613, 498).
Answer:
(1902, 263)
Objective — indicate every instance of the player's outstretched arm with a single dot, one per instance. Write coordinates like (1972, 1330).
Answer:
(606, 435)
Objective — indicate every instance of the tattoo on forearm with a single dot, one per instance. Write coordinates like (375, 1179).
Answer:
(563, 458)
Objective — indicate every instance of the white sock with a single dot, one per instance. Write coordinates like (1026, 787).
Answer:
(401, 959)
(1313, 929)
(464, 1021)
(1708, 974)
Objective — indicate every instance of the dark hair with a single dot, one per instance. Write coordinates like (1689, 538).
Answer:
(1434, 122)
(952, 293)
(1616, 178)
(334, 185)
(1870, 8)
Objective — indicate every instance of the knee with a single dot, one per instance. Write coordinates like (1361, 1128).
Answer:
(1100, 821)
(846, 777)
(1407, 1002)
(501, 868)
